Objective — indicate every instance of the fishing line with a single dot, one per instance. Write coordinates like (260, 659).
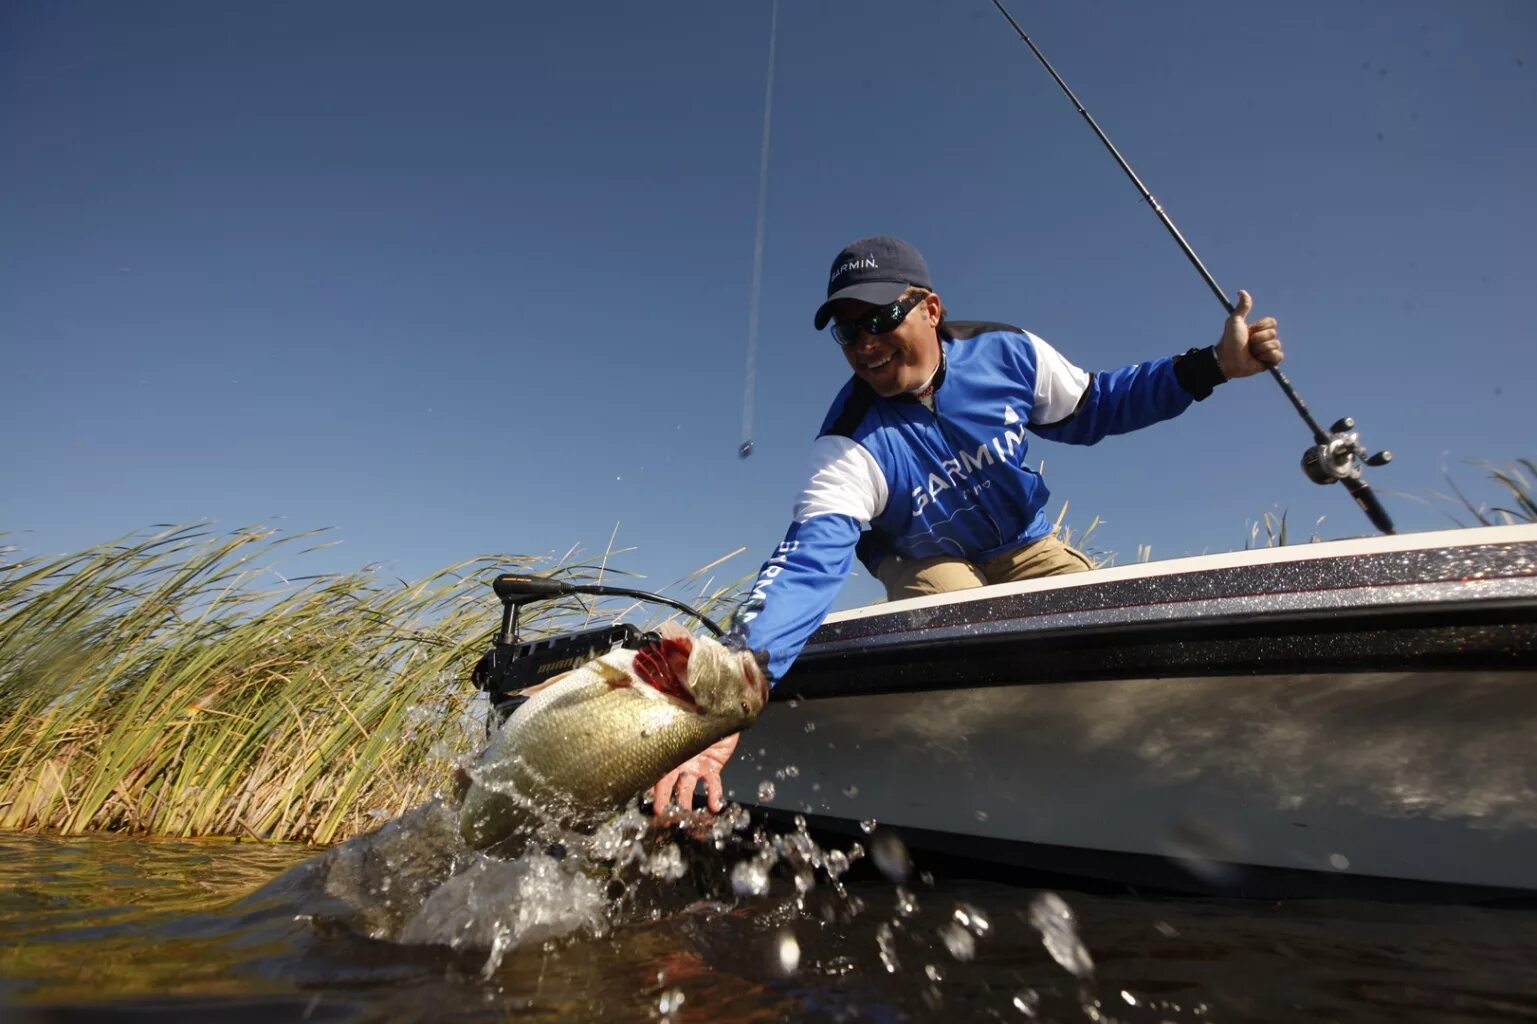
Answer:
(749, 384)
(1338, 453)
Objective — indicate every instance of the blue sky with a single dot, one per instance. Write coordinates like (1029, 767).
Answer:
(458, 278)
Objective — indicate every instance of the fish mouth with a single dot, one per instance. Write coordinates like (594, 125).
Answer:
(755, 678)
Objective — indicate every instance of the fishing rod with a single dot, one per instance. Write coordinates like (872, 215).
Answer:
(1337, 454)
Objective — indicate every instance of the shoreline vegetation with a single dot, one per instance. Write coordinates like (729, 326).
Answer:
(175, 683)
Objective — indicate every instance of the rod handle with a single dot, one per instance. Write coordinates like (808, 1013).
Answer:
(1362, 492)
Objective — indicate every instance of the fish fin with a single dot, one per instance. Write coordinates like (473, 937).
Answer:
(664, 663)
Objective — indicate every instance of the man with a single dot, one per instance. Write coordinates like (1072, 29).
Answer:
(920, 467)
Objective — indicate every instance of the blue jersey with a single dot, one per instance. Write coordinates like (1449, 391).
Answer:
(893, 476)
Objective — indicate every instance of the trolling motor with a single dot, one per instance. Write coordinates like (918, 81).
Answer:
(511, 666)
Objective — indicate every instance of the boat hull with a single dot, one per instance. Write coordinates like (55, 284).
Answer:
(1256, 724)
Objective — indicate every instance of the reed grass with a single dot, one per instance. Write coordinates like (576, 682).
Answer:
(176, 684)
(1516, 486)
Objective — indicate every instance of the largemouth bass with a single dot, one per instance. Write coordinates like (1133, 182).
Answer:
(578, 751)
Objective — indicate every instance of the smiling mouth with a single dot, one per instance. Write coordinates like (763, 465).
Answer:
(878, 365)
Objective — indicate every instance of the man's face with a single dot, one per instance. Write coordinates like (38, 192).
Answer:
(901, 360)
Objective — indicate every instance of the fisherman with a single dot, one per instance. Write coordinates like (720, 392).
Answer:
(919, 469)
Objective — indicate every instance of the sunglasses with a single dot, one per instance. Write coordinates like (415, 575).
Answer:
(882, 321)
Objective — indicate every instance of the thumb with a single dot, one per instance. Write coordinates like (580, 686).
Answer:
(1245, 305)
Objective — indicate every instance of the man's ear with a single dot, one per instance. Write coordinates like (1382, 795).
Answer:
(931, 307)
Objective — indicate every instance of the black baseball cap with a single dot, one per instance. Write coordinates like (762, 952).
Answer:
(876, 270)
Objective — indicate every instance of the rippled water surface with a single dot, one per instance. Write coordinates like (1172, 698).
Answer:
(121, 929)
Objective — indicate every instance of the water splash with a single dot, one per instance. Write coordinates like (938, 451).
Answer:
(499, 905)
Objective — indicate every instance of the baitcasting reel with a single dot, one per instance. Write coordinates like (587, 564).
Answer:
(1340, 457)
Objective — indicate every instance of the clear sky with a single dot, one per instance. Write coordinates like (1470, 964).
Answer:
(469, 277)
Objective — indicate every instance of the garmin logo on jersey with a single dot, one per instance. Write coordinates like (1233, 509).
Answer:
(771, 570)
(956, 471)
(868, 263)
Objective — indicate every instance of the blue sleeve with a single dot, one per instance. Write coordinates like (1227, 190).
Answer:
(1120, 401)
(796, 587)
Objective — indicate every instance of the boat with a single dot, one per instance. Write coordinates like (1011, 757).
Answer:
(1349, 718)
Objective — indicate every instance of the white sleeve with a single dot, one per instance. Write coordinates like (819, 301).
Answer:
(844, 479)
(1058, 384)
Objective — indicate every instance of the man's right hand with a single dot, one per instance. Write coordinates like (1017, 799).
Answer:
(1245, 348)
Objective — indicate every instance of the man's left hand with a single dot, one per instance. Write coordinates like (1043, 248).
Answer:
(680, 782)
(1245, 348)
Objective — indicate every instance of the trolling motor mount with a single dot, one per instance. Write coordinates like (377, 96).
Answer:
(1340, 457)
(513, 665)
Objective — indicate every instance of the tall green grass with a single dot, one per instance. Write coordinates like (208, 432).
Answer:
(175, 684)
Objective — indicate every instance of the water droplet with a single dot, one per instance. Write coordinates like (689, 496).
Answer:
(811, 727)
(787, 952)
(972, 919)
(670, 1002)
(981, 815)
(836, 863)
(961, 944)
(886, 940)
(868, 825)
(1131, 1000)
(851, 792)
(934, 973)
(791, 771)
(793, 704)
(1054, 919)
(666, 863)
(765, 791)
(1027, 1002)
(891, 857)
(1338, 861)
(1166, 929)
(959, 941)
(907, 903)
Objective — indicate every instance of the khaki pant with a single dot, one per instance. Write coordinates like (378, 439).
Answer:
(915, 577)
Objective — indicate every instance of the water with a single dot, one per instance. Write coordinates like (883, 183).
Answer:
(133, 930)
